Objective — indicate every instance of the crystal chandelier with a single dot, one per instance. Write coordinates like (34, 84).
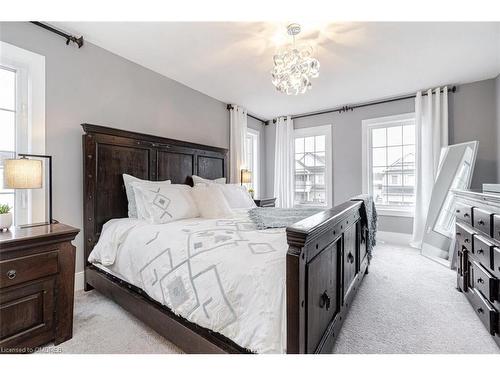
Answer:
(294, 66)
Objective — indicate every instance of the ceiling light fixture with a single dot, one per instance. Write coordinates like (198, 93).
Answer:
(294, 66)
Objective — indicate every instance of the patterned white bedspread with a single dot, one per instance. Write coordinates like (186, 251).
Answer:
(222, 274)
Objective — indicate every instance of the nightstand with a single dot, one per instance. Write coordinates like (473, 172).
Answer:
(37, 276)
(265, 202)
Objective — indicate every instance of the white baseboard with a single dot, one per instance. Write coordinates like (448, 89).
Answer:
(394, 238)
(79, 281)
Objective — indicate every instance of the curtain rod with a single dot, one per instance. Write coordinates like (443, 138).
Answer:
(69, 38)
(229, 106)
(346, 108)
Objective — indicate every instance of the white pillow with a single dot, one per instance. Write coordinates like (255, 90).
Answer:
(127, 180)
(164, 203)
(237, 196)
(197, 180)
(211, 202)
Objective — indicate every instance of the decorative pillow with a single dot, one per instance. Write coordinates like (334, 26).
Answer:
(197, 180)
(127, 180)
(211, 202)
(161, 204)
(237, 196)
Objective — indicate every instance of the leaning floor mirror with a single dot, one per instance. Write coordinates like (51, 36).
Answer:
(455, 172)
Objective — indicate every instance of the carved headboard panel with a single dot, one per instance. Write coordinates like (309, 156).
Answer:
(108, 153)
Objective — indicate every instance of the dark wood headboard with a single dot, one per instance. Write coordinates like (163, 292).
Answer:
(108, 153)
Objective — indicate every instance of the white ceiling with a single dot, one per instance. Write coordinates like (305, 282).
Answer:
(359, 61)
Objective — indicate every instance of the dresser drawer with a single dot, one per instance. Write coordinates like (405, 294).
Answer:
(31, 267)
(482, 220)
(496, 261)
(484, 310)
(483, 281)
(482, 249)
(465, 237)
(463, 212)
(496, 227)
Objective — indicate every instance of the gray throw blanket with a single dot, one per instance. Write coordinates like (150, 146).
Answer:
(369, 215)
(279, 217)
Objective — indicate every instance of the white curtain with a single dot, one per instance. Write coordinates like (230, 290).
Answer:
(431, 121)
(283, 162)
(237, 144)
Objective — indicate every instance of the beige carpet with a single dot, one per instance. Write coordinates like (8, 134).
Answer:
(407, 304)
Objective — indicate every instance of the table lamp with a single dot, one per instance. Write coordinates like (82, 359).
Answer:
(246, 176)
(24, 173)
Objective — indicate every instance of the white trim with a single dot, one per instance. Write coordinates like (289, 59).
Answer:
(79, 281)
(313, 131)
(367, 125)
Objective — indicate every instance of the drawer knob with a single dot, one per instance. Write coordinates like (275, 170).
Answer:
(480, 251)
(480, 222)
(11, 274)
(325, 301)
(466, 215)
(480, 310)
(466, 240)
(480, 281)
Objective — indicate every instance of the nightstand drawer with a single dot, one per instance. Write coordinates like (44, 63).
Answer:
(27, 314)
(32, 267)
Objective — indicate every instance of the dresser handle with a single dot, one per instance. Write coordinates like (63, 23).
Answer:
(466, 215)
(458, 211)
(11, 274)
(480, 310)
(325, 300)
(480, 281)
(480, 251)
(466, 240)
(480, 222)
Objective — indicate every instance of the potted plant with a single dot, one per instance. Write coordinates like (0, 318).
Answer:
(5, 217)
(251, 191)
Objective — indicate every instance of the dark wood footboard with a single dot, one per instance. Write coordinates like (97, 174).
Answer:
(325, 264)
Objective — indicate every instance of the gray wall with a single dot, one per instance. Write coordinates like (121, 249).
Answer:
(498, 126)
(472, 116)
(96, 86)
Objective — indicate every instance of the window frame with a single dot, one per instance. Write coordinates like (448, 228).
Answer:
(311, 131)
(255, 135)
(384, 122)
(30, 123)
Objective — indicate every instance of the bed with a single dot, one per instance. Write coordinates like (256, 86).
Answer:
(215, 285)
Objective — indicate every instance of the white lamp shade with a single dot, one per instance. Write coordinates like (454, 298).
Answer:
(22, 174)
(246, 176)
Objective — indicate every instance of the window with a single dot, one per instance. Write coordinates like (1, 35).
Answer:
(389, 154)
(252, 158)
(313, 166)
(7, 127)
(22, 125)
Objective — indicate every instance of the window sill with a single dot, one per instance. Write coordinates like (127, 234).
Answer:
(394, 212)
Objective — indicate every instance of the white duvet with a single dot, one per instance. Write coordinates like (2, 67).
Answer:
(222, 274)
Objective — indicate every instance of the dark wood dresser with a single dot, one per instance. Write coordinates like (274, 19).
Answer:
(478, 254)
(265, 202)
(37, 273)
